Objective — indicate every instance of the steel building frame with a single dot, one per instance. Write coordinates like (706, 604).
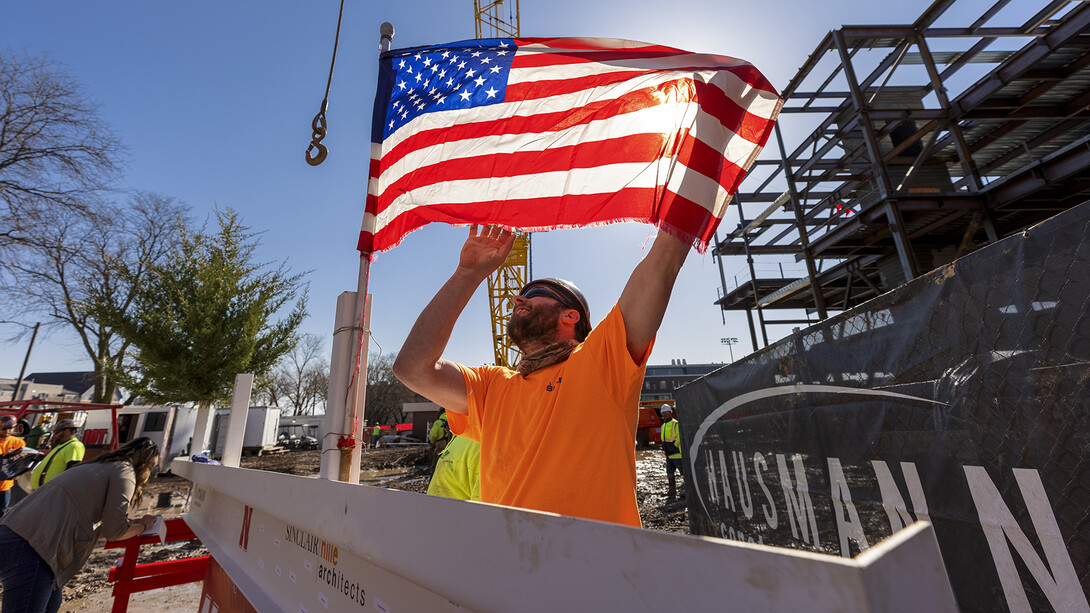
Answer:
(900, 177)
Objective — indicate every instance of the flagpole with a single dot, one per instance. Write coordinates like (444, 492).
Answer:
(351, 444)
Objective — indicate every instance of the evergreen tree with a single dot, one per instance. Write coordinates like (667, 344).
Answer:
(207, 314)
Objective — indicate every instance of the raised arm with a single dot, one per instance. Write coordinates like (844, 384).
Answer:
(419, 364)
(644, 299)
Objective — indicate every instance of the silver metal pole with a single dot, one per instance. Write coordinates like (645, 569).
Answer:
(386, 36)
(357, 391)
(22, 371)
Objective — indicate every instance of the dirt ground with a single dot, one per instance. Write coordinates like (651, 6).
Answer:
(394, 468)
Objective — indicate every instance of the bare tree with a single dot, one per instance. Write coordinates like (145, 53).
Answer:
(301, 380)
(56, 155)
(385, 393)
(77, 265)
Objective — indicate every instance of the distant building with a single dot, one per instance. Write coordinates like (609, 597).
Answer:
(421, 415)
(79, 383)
(52, 386)
(660, 381)
(31, 390)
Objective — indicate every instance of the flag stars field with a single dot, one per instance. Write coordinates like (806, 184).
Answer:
(445, 79)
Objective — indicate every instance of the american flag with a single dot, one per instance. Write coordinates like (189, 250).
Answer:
(538, 134)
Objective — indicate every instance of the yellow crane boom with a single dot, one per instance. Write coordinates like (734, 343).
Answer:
(505, 283)
(491, 22)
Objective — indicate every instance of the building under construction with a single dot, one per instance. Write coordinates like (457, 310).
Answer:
(924, 143)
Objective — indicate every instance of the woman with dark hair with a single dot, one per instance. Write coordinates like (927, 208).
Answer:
(47, 537)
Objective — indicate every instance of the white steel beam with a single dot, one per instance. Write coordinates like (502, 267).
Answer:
(300, 544)
(236, 419)
(340, 372)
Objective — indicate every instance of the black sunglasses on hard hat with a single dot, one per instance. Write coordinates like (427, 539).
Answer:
(538, 291)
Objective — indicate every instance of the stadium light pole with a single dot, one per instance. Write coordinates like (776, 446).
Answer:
(729, 342)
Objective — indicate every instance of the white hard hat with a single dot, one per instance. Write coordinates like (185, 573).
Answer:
(667, 407)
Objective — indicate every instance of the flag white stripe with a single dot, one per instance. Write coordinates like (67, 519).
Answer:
(705, 128)
(764, 106)
(604, 180)
(580, 181)
(676, 65)
(736, 150)
(611, 44)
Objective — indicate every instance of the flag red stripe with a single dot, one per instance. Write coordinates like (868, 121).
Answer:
(581, 43)
(744, 71)
(679, 215)
(534, 124)
(718, 104)
(543, 88)
(529, 59)
(698, 156)
(632, 204)
(646, 148)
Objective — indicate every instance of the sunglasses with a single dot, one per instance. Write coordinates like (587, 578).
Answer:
(7, 427)
(539, 291)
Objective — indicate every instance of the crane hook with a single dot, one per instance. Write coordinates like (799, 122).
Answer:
(318, 126)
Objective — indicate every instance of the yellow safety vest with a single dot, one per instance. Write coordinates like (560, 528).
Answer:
(670, 431)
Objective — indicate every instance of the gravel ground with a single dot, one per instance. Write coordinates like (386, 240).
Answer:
(394, 468)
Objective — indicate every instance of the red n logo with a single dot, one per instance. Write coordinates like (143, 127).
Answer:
(244, 535)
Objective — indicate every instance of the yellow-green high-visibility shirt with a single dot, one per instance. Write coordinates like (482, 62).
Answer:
(670, 433)
(56, 462)
(458, 471)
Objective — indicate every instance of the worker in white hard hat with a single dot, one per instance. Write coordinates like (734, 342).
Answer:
(671, 446)
(570, 373)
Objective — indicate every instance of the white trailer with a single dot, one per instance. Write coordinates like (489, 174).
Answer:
(170, 427)
(262, 427)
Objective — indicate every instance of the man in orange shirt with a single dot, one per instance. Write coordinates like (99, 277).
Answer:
(523, 418)
(8, 442)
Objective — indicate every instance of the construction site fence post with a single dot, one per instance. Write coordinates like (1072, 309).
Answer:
(340, 365)
(236, 421)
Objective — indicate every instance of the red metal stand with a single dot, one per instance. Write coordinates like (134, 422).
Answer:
(129, 577)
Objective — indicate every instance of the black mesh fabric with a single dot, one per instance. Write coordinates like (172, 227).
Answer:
(973, 378)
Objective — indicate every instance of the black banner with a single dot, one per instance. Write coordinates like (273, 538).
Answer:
(961, 398)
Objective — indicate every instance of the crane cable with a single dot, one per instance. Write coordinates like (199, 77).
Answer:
(318, 126)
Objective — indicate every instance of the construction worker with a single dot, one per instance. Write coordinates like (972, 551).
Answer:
(67, 452)
(440, 434)
(671, 446)
(8, 442)
(374, 436)
(37, 435)
(458, 471)
(438, 437)
(523, 418)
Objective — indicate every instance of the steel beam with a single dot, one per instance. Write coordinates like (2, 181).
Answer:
(804, 239)
(1073, 25)
(1058, 166)
(291, 543)
(964, 153)
(901, 239)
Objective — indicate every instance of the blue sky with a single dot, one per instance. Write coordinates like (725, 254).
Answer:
(214, 102)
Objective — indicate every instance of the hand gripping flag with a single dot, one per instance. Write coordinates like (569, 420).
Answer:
(538, 134)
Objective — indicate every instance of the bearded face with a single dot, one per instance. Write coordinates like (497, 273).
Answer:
(538, 324)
